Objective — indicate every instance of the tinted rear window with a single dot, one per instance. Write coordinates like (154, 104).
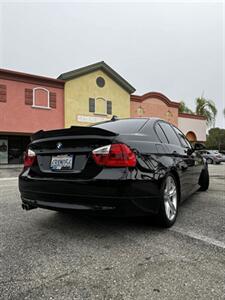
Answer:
(170, 134)
(123, 126)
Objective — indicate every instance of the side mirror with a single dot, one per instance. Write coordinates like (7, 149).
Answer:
(198, 146)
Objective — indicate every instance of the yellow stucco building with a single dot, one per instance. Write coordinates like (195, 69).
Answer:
(95, 93)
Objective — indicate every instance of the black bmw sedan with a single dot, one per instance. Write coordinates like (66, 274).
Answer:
(139, 166)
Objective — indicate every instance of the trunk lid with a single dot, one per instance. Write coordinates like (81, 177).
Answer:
(68, 152)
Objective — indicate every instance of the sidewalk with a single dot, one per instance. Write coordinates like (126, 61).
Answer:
(10, 171)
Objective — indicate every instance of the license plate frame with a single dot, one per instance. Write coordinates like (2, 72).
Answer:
(61, 162)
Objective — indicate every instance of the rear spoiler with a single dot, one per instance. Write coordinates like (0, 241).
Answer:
(73, 130)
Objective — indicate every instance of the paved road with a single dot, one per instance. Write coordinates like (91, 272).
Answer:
(9, 172)
(48, 255)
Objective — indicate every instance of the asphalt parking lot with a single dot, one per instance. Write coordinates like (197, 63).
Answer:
(48, 255)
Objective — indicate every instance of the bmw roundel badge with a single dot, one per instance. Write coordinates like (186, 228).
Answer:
(59, 146)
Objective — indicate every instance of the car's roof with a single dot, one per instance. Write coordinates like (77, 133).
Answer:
(126, 125)
(137, 118)
(114, 119)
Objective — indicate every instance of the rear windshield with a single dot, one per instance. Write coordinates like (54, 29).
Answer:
(125, 126)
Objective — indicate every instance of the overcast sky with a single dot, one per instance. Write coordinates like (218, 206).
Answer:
(175, 47)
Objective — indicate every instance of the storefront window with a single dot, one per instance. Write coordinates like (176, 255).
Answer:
(12, 148)
(3, 151)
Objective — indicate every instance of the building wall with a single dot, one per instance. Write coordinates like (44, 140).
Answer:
(154, 104)
(18, 117)
(79, 90)
(192, 124)
(144, 106)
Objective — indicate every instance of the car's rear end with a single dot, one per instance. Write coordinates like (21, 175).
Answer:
(215, 156)
(219, 157)
(84, 169)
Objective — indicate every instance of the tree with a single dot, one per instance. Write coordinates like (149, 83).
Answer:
(216, 139)
(184, 109)
(206, 108)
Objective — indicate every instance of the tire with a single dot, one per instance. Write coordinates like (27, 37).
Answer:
(204, 180)
(168, 201)
(209, 161)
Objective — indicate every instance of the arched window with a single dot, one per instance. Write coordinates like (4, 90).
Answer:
(100, 106)
(41, 98)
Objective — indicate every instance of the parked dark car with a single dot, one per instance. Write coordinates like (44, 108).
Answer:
(139, 166)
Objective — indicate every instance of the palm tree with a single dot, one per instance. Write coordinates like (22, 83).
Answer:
(206, 108)
(184, 109)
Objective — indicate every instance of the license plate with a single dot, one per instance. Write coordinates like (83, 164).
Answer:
(62, 162)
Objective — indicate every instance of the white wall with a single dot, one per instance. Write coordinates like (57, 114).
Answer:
(196, 125)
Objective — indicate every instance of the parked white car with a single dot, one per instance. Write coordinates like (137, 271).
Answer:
(213, 156)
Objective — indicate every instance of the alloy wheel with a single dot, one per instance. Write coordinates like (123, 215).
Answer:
(209, 161)
(170, 198)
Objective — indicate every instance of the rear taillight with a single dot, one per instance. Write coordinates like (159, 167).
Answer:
(29, 158)
(115, 155)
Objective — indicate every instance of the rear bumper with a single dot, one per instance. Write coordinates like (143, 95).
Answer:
(217, 160)
(221, 159)
(125, 197)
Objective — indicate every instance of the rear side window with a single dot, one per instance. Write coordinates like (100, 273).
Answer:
(170, 134)
(183, 139)
(160, 134)
(124, 126)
